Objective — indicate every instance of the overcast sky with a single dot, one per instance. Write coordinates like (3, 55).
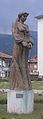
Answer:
(10, 8)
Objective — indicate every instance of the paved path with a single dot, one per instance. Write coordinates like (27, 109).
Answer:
(35, 91)
(38, 91)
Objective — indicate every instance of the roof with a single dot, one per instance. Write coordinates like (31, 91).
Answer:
(33, 60)
(39, 17)
(3, 55)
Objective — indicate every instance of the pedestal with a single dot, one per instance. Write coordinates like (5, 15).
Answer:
(20, 101)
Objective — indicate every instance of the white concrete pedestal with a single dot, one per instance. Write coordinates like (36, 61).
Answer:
(20, 101)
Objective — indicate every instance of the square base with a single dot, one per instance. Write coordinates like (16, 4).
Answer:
(20, 101)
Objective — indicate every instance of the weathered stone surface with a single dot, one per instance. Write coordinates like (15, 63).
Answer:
(24, 103)
(19, 73)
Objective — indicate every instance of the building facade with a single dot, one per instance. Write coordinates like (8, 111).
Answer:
(32, 63)
(40, 44)
(5, 61)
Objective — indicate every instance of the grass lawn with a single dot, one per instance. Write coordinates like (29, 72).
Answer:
(37, 113)
(4, 84)
(38, 85)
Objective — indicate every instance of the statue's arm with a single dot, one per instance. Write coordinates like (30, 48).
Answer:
(16, 33)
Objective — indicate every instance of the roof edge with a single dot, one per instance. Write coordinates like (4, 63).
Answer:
(39, 17)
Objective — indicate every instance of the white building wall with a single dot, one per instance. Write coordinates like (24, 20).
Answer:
(40, 46)
(3, 68)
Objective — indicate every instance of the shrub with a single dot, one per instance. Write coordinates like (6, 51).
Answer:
(3, 101)
(3, 118)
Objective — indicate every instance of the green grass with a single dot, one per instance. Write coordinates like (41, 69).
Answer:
(3, 98)
(37, 113)
(38, 98)
(37, 85)
(4, 84)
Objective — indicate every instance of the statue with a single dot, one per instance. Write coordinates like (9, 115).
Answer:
(19, 72)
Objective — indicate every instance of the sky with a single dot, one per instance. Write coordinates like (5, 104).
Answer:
(9, 10)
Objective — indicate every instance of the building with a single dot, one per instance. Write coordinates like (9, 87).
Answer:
(5, 61)
(40, 44)
(32, 63)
